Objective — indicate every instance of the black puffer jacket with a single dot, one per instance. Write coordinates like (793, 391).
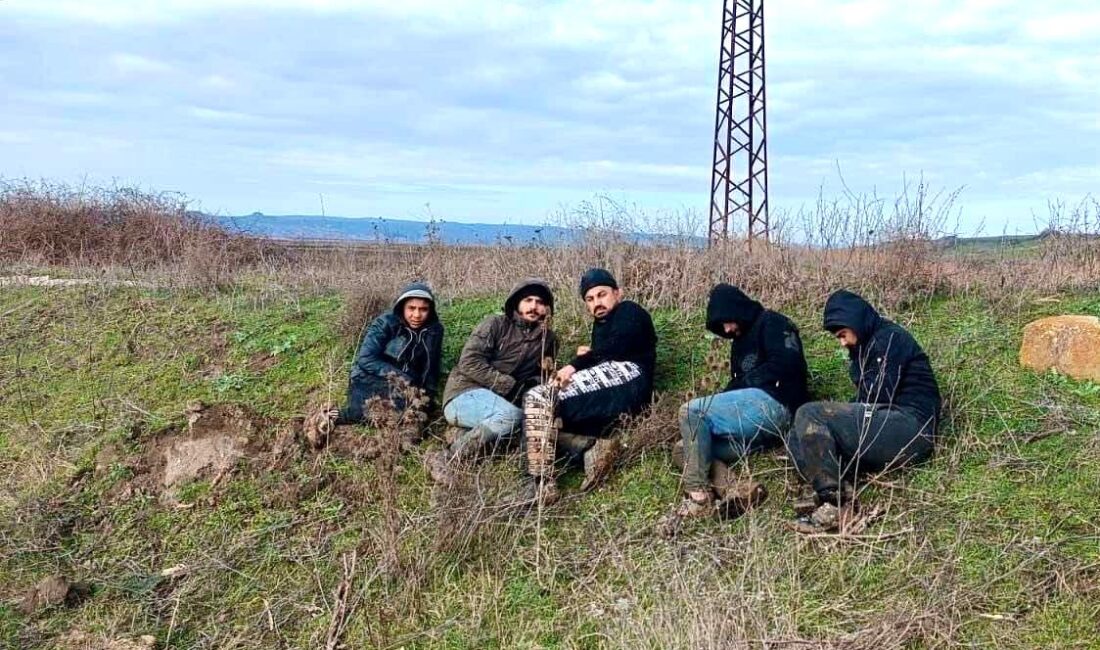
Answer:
(391, 346)
(887, 364)
(767, 354)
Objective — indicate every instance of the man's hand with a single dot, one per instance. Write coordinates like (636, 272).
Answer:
(565, 375)
(583, 350)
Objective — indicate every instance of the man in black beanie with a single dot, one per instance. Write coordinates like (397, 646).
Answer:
(611, 377)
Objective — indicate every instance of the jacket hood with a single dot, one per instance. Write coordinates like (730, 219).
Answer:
(728, 304)
(527, 287)
(847, 309)
(415, 290)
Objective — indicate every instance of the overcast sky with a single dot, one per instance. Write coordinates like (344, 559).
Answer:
(506, 110)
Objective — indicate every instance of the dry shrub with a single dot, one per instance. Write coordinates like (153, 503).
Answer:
(361, 306)
(122, 227)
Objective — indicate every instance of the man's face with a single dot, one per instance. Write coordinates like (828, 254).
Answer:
(416, 312)
(847, 337)
(532, 309)
(731, 328)
(601, 300)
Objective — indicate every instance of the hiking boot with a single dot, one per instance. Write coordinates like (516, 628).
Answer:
(827, 518)
(678, 455)
(319, 424)
(439, 468)
(540, 492)
(599, 461)
(741, 497)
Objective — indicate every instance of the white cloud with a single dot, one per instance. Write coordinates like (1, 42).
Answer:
(135, 64)
(560, 99)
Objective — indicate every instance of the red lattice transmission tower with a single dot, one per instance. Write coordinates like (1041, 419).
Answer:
(739, 179)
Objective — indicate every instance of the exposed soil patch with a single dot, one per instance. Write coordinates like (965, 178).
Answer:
(353, 442)
(211, 446)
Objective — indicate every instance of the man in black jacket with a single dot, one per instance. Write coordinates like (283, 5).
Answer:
(611, 377)
(892, 421)
(767, 384)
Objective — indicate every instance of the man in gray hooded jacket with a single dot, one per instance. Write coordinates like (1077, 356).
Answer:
(399, 357)
(505, 356)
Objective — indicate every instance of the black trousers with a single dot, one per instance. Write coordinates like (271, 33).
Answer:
(833, 441)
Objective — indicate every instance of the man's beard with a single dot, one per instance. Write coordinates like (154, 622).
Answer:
(538, 317)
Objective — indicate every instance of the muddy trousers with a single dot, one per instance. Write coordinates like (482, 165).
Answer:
(834, 441)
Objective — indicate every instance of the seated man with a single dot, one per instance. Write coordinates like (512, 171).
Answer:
(610, 378)
(891, 423)
(767, 384)
(399, 356)
(502, 359)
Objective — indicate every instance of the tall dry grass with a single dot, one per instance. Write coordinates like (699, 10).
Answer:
(123, 229)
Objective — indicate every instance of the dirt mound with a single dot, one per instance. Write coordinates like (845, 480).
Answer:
(213, 444)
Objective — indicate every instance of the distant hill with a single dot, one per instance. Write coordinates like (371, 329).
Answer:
(394, 230)
(378, 229)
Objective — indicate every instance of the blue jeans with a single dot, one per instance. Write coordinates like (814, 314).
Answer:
(490, 418)
(726, 427)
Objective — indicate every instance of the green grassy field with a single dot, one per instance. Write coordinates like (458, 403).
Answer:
(995, 543)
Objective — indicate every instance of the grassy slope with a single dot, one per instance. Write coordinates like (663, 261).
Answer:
(993, 542)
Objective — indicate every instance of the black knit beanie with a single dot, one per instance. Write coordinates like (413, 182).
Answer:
(597, 278)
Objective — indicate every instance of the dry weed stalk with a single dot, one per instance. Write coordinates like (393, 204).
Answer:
(394, 427)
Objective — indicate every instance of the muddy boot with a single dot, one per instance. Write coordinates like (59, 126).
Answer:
(741, 497)
(722, 478)
(673, 522)
(678, 455)
(319, 424)
(824, 519)
(599, 461)
(453, 433)
(539, 493)
(438, 466)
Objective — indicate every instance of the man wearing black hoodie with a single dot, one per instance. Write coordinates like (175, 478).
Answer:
(611, 377)
(892, 421)
(767, 384)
